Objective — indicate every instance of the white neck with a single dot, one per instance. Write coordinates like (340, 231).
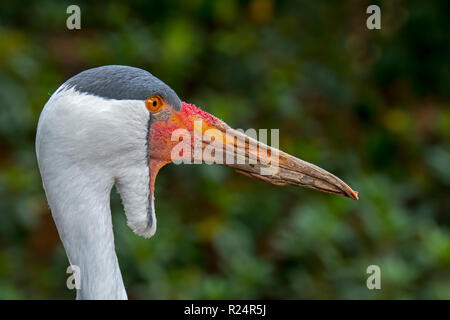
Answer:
(85, 145)
(85, 227)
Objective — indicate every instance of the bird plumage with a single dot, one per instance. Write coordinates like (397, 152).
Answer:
(85, 144)
(122, 83)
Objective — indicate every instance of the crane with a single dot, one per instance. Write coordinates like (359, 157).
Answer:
(114, 126)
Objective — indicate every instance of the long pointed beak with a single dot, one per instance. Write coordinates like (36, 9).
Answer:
(213, 141)
(258, 160)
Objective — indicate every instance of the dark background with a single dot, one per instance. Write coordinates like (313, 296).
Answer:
(371, 106)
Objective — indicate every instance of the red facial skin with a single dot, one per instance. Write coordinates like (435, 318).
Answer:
(161, 132)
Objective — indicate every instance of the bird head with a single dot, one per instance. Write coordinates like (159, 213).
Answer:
(130, 124)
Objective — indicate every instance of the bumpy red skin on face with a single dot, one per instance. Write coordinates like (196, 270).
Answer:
(192, 111)
(160, 135)
(161, 131)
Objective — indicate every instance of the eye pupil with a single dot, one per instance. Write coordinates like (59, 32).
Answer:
(154, 103)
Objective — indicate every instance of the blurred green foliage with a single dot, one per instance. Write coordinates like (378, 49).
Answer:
(370, 106)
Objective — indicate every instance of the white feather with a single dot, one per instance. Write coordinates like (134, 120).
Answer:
(86, 144)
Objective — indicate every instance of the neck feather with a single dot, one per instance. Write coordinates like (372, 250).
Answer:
(84, 223)
(84, 145)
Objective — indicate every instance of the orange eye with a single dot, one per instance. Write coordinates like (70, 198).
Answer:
(154, 103)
